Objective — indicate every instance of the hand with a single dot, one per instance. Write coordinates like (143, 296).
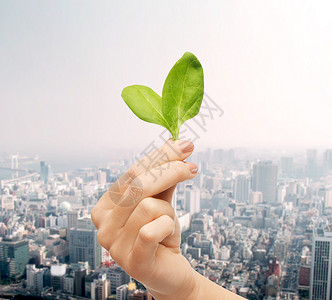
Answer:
(137, 224)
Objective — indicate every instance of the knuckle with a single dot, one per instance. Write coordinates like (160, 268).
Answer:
(147, 207)
(169, 220)
(146, 235)
(101, 237)
(94, 216)
(115, 253)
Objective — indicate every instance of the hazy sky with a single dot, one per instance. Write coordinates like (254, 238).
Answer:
(63, 65)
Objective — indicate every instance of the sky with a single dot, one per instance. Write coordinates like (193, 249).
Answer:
(63, 65)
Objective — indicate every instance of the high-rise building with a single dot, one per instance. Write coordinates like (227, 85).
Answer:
(264, 179)
(58, 273)
(14, 256)
(327, 159)
(121, 292)
(321, 275)
(35, 277)
(326, 193)
(30, 272)
(241, 188)
(101, 177)
(100, 288)
(117, 276)
(80, 270)
(83, 246)
(68, 283)
(287, 168)
(192, 199)
(45, 172)
(312, 168)
(72, 217)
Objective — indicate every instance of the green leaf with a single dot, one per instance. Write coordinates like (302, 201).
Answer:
(182, 92)
(181, 97)
(144, 103)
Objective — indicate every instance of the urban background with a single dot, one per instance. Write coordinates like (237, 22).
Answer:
(258, 224)
(257, 217)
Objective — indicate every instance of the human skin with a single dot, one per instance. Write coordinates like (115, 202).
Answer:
(138, 226)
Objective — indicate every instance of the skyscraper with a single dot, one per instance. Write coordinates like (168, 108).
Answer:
(312, 167)
(72, 217)
(83, 246)
(321, 269)
(192, 200)
(121, 292)
(241, 188)
(14, 256)
(45, 172)
(327, 159)
(264, 179)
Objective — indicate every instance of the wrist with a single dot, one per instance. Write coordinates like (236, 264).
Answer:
(184, 290)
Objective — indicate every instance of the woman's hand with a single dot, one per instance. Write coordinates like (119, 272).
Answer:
(137, 224)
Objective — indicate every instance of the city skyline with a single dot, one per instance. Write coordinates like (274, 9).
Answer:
(266, 64)
(248, 225)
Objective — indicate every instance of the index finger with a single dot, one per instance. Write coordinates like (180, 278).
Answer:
(170, 151)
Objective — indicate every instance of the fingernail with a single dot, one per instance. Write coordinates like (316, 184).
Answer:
(186, 146)
(193, 168)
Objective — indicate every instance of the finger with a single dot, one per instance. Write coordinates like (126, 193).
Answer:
(173, 240)
(148, 239)
(162, 178)
(166, 195)
(146, 211)
(148, 184)
(170, 151)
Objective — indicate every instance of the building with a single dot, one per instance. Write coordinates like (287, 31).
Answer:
(198, 225)
(72, 217)
(255, 197)
(327, 159)
(140, 295)
(117, 276)
(57, 246)
(326, 193)
(287, 166)
(321, 275)
(241, 188)
(14, 256)
(68, 283)
(58, 273)
(45, 172)
(192, 199)
(30, 272)
(100, 288)
(264, 179)
(35, 278)
(121, 292)
(80, 270)
(312, 168)
(83, 246)
(7, 202)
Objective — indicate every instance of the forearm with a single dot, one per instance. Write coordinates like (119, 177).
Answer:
(199, 288)
(206, 289)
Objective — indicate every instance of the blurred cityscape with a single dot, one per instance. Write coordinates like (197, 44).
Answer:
(256, 223)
